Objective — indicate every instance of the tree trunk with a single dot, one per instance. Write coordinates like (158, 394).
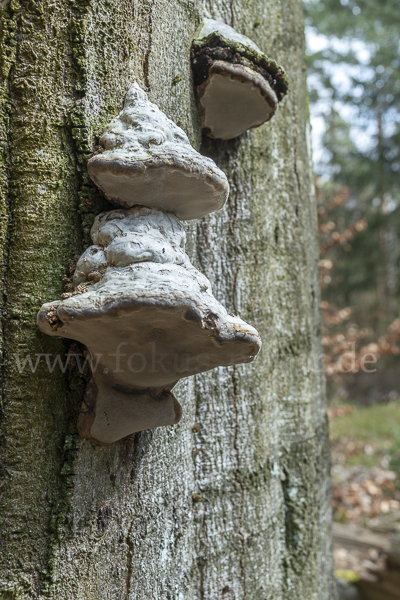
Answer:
(234, 501)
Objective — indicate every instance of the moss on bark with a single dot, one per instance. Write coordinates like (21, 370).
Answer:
(234, 501)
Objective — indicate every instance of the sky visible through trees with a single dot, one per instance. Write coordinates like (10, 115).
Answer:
(354, 87)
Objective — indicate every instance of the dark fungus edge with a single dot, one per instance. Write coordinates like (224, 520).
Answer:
(215, 47)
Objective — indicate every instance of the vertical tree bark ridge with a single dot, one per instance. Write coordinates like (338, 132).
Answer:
(267, 245)
(234, 501)
(41, 239)
(7, 54)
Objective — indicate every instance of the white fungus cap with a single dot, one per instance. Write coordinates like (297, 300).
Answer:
(150, 321)
(148, 160)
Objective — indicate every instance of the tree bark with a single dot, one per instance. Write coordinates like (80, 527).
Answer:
(234, 501)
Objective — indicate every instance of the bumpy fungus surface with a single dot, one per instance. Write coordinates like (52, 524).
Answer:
(149, 161)
(237, 86)
(149, 321)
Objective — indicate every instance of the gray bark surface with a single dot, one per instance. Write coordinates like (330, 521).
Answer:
(234, 501)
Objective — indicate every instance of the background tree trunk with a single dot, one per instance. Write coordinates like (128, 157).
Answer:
(234, 502)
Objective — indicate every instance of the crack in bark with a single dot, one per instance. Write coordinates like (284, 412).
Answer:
(133, 453)
(235, 385)
(238, 479)
(129, 561)
(232, 13)
(298, 203)
(146, 65)
(203, 561)
(236, 244)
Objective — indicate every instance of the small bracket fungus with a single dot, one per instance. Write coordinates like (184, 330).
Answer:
(149, 320)
(237, 86)
(148, 160)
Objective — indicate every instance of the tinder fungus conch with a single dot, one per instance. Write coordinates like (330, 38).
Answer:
(148, 160)
(237, 86)
(145, 313)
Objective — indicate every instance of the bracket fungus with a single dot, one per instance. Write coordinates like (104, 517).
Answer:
(237, 86)
(149, 321)
(149, 161)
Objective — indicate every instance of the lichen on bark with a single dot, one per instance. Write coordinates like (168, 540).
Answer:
(233, 502)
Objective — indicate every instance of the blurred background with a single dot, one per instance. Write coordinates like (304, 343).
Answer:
(354, 92)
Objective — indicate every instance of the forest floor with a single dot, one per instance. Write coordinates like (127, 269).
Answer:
(366, 498)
